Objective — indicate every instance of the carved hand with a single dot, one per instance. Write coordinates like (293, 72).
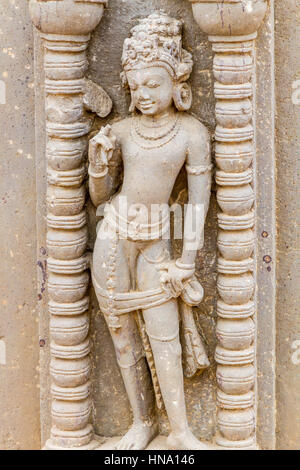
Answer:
(173, 277)
(101, 149)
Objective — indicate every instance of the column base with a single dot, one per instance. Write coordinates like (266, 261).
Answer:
(159, 443)
(93, 445)
(247, 444)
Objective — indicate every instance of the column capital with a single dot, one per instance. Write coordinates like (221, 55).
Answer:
(229, 17)
(66, 17)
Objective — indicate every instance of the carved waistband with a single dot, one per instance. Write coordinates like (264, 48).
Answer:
(121, 303)
(134, 229)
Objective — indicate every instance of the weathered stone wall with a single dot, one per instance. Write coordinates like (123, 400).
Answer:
(19, 341)
(287, 61)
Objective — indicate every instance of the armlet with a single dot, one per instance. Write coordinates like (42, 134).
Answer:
(198, 170)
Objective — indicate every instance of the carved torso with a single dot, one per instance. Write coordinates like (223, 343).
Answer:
(152, 165)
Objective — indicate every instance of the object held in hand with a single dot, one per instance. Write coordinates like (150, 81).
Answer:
(101, 148)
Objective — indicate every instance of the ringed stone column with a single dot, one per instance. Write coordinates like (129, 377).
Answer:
(65, 26)
(232, 28)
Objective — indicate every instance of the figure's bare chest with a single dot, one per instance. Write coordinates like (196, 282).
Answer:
(163, 160)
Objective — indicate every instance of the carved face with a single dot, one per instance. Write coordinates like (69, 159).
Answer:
(151, 89)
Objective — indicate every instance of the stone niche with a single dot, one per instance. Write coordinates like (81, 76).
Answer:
(220, 55)
(111, 407)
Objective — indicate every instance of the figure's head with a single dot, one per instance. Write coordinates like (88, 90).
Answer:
(156, 67)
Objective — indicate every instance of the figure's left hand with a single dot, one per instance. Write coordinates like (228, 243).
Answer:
(173, 278)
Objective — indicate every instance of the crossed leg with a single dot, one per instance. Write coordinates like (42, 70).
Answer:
(130, 355)
(138, 384)
(162, 325)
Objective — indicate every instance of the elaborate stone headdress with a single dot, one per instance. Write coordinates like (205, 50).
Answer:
(157, 41)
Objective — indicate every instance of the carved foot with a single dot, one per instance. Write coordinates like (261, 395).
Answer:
(185, 441)
(138, 437)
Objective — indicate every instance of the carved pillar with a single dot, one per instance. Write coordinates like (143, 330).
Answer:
(65, 26)
(232, 28)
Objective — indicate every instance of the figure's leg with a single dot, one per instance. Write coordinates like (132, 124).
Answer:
(162, 324)
(130, 355)
(138, 384)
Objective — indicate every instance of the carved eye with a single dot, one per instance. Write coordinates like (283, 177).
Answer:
(153, 84)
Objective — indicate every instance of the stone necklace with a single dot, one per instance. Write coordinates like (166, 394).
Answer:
(155, 140)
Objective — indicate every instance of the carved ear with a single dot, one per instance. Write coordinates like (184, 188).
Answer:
(125, 85)
(184, 69)
(124, 80)
(132, 107)
(182, 96)
(95, 99)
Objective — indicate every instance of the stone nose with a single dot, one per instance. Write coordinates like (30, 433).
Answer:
(144, 94)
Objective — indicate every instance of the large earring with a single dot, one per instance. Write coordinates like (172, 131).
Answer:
(182, 96)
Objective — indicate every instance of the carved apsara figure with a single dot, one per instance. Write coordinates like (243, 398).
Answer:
(145, 295)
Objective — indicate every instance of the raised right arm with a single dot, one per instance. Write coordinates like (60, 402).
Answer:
(105, 166)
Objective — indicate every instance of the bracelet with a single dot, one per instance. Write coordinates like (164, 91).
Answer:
(198, 170)
(99, 174)
(188, 267)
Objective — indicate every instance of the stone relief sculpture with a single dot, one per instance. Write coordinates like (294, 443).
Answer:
(145, 295)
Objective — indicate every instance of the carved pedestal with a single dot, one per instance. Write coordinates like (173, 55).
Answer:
(65, 26)
(232, 28)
